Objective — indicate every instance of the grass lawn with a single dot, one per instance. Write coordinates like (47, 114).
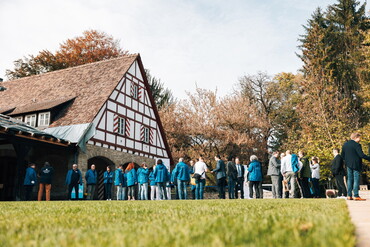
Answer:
(262, 223)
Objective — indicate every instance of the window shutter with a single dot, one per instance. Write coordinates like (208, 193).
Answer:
(115, 123)
(127, 127)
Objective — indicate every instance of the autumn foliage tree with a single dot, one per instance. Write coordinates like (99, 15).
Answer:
(92, 46)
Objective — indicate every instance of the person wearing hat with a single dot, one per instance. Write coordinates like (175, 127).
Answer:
(46, 177)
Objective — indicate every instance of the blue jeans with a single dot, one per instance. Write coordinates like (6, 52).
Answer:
(199, 189)
(316, 187)
(121, 192)
(162, 191)
(143, 191)
(353, 182)
(231, 188)
(181, 186)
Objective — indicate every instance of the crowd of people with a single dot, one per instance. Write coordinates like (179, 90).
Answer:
(295, 176)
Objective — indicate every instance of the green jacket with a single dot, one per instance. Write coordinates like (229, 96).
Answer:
(305, 171)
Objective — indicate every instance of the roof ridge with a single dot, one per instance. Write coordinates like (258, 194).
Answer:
(75, 67)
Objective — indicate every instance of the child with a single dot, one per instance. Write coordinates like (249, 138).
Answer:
(315, 174)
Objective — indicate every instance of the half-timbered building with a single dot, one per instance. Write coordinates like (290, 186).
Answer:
(104, 110)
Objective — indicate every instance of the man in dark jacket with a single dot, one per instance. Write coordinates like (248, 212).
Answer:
(91, 177)
(240, 178)
(337, 168)
(231, 176)
(46, 177)
(220, 171)
(73, 180)
(353, 155)
(276, 178)
(304, 174)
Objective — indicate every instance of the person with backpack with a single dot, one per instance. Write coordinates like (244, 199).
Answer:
(143, 180)
(30, 181)
(220, 171)
(338, 171)
(289, 169)
(161, 177)
(131, 177)
(315, 174)
(232, 176)
(182, 175)
(108, 181)
(46, 177)
(91, 177)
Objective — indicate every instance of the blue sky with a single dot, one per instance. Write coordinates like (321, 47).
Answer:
(205, 43)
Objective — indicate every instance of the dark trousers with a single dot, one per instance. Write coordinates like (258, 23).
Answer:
(231, 187)
(303, 182)
(108, 191)
(316, 188)
(239, 186)
(255, 185)
(28, 192)
(221, 183)
(70, 188)
(342, 190)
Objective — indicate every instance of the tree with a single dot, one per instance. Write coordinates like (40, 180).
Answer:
(163, 97)
(92, 46)
(206, 125)
(331, 106)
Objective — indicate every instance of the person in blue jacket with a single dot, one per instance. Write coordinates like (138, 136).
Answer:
(143, 180)
(131, 177)
(118, 182)
(91, 177)
(153, 185)
(30, 181)
(254, 176)
(108, 181)
(73, 179)
(182, 175)
(161, 177)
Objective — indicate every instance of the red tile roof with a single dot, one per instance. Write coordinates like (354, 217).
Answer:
(91, 84)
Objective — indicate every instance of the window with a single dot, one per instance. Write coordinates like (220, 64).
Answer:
(146, 137)
(44, 119)
(121, 126)
(31, 120)
(134, 90)
(20, 118)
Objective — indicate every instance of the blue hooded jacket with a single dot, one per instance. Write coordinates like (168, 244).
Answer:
(91, 177)
(131, 177)
(161, 174)
(108, 177)
(182, 172)
(142, 175)
(69, 176)
(118, 177)
(31, 177)
(255, 171)
(152, 179)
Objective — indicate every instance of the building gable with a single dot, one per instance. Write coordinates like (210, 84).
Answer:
(129, 121)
